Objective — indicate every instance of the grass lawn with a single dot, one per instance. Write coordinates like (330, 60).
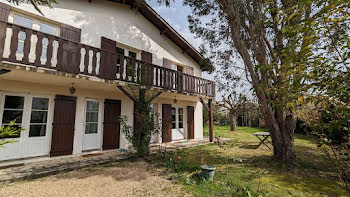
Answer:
(243, 169)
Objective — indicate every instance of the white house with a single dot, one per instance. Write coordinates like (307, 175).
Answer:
(63, 75)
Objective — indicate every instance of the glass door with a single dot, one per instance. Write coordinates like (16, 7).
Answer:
(91, 139)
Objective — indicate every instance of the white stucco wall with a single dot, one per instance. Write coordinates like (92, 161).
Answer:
(117, 22)
(22, 82)
(11, 87)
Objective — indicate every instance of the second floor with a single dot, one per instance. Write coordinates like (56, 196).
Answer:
(106, 39)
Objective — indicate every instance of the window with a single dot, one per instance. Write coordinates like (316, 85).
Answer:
(33, 24)
(25, 22)
(120, 51)
(177, 115)
(132, 54)
(91, 117)
(173, 115)
(38, 118)
(13, 110)
(49, 30)
(181, 118)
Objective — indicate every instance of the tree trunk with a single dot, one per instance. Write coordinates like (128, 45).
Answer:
(280, 125)
(233, 122)
(282, 135)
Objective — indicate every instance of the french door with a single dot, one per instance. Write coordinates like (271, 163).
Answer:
(177, 123)
(91, 139)
(31, 113)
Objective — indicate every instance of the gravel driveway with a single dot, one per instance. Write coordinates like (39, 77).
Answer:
(123, 179)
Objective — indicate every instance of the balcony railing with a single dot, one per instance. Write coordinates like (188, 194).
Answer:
(30, 47)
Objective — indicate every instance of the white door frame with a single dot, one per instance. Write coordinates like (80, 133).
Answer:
(177, 129)
(99, 125)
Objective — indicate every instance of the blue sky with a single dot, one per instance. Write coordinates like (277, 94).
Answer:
(176, 16)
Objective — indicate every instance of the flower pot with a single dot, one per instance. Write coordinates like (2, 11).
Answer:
(208, 172)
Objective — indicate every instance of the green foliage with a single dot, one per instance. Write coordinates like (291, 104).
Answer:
(35, 3)
(220, 117)
(9, 131)
(146, 125)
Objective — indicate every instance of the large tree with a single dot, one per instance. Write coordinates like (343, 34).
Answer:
(277, 41)
(232, 103)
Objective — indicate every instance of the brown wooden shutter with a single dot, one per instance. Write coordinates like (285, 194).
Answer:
(190, 122)
(107, 69)
(108, 45)
(146, 57)
(166, 123)
(63, 125)
(4, 12)
(111, 125)
(167, 63)
(149, 74)
(189, 70)
(70, 33)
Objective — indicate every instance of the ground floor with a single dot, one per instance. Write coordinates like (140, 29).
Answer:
(57, 121)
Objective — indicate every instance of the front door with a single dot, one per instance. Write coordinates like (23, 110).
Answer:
(63, 125)
(190, 122)
(91, 137)
(111, 125)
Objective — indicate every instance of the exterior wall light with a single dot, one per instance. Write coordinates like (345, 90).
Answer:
(72, 89)
(175, 100)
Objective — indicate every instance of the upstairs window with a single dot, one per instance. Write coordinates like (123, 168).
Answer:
(132, 54)
(33, 23)
(120, 51)
(25, 22)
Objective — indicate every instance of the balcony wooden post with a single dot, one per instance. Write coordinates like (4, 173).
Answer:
(211, 120)
(209, 108)
(3, 28)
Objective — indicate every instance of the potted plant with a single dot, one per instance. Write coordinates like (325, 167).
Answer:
(207, 170)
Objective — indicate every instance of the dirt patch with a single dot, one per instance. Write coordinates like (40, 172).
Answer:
(125, 179)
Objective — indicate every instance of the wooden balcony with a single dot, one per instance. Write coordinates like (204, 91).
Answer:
(52, 52)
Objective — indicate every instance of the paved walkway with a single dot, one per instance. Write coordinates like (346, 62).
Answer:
(69, 163)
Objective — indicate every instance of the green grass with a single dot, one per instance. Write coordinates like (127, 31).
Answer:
(241, 168)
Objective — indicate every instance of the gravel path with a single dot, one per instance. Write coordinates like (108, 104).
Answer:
(123, 179)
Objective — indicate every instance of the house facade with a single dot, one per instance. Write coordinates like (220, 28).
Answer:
(65, 76)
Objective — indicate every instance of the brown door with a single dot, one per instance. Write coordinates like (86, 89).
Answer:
(190, 122)
(111, 125)
(166, 123)
(63, 125)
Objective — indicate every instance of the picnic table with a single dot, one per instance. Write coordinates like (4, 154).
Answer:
(263, 137)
